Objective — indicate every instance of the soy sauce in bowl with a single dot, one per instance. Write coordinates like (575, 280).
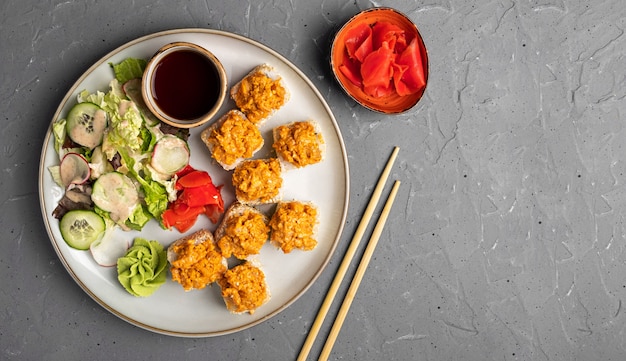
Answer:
(184, 85)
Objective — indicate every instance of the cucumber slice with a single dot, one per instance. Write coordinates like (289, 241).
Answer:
(85, 124)
(170, 155)
(80, 228)
(115, 193)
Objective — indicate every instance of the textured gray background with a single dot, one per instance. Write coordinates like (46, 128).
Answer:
(507, 240)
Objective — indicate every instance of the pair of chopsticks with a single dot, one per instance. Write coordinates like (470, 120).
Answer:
(345, 263)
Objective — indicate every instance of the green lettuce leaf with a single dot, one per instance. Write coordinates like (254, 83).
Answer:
(155, 194)
(138, 218)
(60, 132)
(129, 69)
(55, 172)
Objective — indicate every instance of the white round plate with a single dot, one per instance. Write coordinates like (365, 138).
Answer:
(201, 313)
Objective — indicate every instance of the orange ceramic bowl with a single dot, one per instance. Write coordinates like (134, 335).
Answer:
(389, 104)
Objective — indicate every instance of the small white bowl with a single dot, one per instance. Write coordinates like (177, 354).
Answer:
(184, 85)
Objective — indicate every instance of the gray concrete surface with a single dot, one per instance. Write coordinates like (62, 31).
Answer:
(507, 240)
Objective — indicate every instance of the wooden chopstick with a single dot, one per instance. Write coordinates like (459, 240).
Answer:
(358, 276)
(347, 259)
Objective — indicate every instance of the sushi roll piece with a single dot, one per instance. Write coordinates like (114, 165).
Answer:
(294, 226)
(232, 138)
(195, 261)
(244, 288)
(258, 181)
(242, 232)
(260, 93)
(299, 144)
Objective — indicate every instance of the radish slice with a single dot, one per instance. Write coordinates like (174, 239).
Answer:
(74, 169)
(170, 155)
(108, 249)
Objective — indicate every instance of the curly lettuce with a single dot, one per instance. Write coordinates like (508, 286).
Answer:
(129, 68)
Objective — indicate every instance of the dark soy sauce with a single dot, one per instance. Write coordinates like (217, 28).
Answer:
(185, 85)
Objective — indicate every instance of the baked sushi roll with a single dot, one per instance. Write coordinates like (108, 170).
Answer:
(260, 93)
(243, 231)
(195, 261)
(299, 144)
(232, 138)
(258, 181)
(244, 288)
(293, 226)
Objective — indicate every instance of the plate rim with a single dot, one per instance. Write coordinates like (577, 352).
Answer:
(102, 60)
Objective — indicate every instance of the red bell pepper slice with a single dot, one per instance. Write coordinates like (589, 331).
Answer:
(352, 71)
(214, 212)
(393, 35)
(377, 72)
(359, 42)
(411, 79)
(197, 195)
(188, 169)
(200, 196)
(181, 221)
(195, 179)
